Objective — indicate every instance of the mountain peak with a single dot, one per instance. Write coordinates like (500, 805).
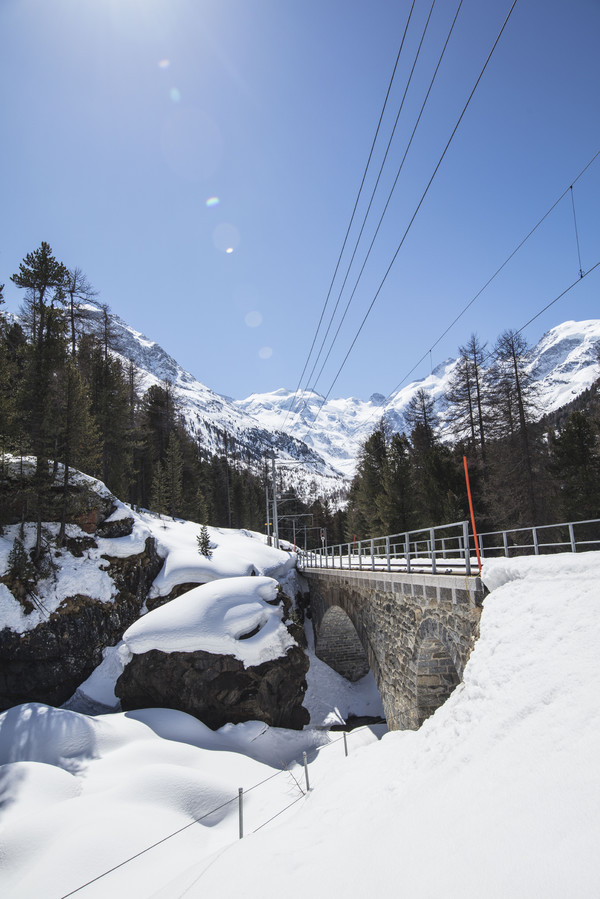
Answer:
(325, 436)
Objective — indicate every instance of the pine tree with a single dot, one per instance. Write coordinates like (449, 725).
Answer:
(421, 418)
(43, 277)
(159, 489)
(396, 500)
(77, 442)
(7, 388)
(77, 289)
(371, 466)
(203, 539)
(173, 475)
(576, 465)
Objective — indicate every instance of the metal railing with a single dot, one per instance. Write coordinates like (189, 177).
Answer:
(568, 536)
(424, 549)
(451, 547)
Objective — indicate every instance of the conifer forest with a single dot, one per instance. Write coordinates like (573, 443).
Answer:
(70, 403)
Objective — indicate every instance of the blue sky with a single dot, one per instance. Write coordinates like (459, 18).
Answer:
(122, 118)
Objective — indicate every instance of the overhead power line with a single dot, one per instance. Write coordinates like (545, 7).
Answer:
(383, 108)
(400, 168)
(366, 215)
(382, 406)
(415, 213)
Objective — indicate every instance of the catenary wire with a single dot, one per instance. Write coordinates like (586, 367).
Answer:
(400, 168)
(576, 231)
(382, 406)
(366, 215)
(420, 203)
(353, 214)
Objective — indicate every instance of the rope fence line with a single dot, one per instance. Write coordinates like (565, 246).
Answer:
(277, 814)
(148, 848)
(238, 798)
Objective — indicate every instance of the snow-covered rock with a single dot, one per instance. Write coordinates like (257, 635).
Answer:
(232, 616)
(220, 652)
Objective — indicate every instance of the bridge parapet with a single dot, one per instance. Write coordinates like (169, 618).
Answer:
(416, 632)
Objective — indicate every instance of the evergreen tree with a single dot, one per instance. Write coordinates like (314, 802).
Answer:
(43, 277)
(420, 416)
(435, 480)
(370, 485)
(77, 442)
(158, 490)
(7, 388)
(576, 465)
(77, 289)
(173, 476)
(203, 539)
(396, 504)
(109, 395)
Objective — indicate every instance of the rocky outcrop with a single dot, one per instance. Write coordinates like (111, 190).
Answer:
(47, 663)
(153, 602)
(217, 689)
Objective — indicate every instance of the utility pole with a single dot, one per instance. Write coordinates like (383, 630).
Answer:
(227, 478)
(268, 521)
(275, 522)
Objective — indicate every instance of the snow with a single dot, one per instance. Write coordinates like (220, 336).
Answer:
(71, 576)
(331, 699)
(563, 364)
(79, 792)
(496, 795)
(234, 553)
(97, 693)
(208, 414)
(218, 618)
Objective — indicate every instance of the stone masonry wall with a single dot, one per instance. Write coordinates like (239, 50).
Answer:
(417, 632)
(339, 645)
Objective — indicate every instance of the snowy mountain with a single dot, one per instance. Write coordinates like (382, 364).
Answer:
(212, 418)
(325, 437)
(564, 363)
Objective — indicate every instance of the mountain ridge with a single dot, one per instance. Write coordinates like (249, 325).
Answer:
(320, 440)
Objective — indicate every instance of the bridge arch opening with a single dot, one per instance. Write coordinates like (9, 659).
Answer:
(436, 676)
(339, 646)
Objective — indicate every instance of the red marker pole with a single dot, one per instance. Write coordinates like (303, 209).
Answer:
(472, 513)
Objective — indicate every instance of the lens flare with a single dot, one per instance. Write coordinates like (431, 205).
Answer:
(226, 237)
(175, 95)
(212, 201)
(265, 352)
(253, 319)
(164, 63)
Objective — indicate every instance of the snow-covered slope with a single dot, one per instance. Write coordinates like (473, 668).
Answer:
(210, 416)
(342, 424)
(497, 795)
(564, 363)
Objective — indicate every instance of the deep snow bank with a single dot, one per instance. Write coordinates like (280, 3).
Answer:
(234, 553)
(497, 794)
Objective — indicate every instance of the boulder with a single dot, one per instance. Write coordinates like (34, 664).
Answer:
(218, 689)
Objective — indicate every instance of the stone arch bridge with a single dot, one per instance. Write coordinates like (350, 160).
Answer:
(415, 633)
